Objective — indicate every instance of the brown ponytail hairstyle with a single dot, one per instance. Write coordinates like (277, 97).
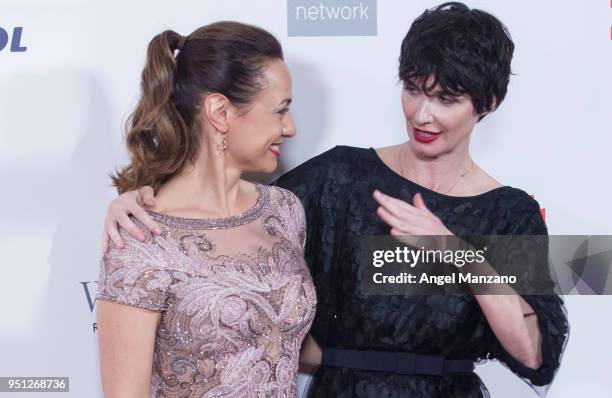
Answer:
(162, 134)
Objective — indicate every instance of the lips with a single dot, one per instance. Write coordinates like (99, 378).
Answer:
(275, 149)
(425, 136)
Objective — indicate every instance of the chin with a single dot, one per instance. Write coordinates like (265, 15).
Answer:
(267, 166)
(425, 150)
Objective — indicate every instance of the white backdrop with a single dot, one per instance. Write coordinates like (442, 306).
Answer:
(63, 102)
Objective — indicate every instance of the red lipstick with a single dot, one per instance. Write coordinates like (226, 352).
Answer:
(424, 136)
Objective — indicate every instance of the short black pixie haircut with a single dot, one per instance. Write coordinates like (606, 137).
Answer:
(466, 51)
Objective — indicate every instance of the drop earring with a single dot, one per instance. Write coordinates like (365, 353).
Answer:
(222, 146)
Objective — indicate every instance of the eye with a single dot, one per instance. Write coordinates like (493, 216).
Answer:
(446, 99)
(412, 90)
(283, 111)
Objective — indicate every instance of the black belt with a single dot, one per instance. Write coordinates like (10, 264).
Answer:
(405, 363)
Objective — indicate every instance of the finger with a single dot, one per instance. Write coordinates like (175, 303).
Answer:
(105, 242)
(147, 196)
(398, 232)
(419, 203)
(113, 233)
(144, 217)
(126, 223)
(395, 206)
(404, 226)
(391, 220)
(138, 197)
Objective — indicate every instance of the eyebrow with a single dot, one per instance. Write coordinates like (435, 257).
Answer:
(286, 101)
(436, 91)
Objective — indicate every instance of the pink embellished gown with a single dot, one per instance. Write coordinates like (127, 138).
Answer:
(235, 296)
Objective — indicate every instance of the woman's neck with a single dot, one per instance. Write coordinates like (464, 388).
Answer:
(208, 188)
(439, 174)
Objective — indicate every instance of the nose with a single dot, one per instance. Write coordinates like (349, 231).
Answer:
(288, 126)
(423, 113)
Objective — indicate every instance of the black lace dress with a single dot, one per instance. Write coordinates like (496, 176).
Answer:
(336, 191)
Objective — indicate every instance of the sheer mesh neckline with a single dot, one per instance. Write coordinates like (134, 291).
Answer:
(217, 223)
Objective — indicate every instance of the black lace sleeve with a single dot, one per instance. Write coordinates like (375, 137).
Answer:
(549, 308)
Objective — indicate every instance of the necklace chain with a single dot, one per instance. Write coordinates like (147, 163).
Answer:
(401, 169)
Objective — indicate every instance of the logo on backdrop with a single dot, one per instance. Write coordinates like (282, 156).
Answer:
(89, 288)
(10, 39)
(331, 17)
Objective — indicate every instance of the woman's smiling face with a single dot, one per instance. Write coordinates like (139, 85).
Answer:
(255, 137)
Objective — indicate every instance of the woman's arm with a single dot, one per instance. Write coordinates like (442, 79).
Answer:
(515, 324)
(126, 339)
(507, 315)
(310, 355)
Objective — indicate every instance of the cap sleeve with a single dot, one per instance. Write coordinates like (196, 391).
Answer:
(299, 218)
(134, 275)
(293, 211)
(549, 308)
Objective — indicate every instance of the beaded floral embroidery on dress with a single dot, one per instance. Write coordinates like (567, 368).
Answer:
(235, 294)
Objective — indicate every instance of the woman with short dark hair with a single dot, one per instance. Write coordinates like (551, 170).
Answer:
(455, 68)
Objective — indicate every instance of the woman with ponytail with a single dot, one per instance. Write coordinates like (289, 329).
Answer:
(213, 298)
(455, 67)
